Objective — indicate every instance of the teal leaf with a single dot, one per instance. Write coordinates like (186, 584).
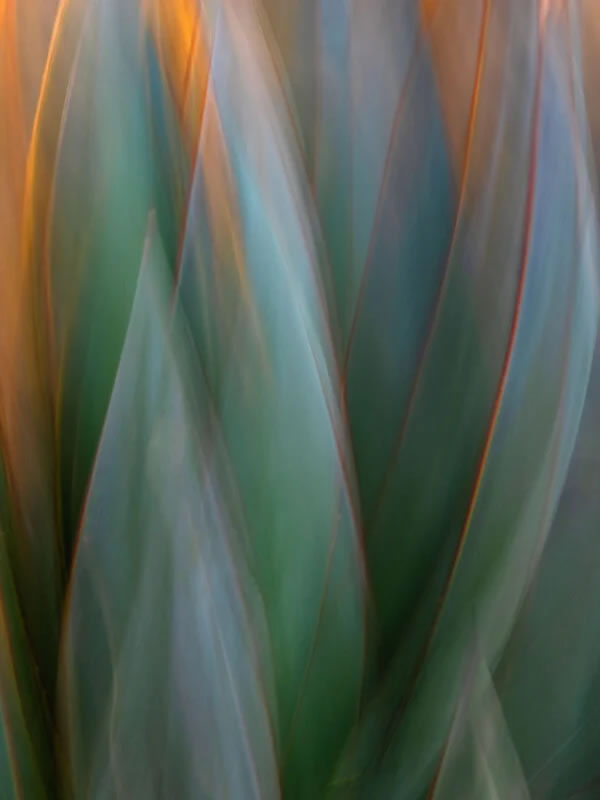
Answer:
(161, 690)
(255, 306)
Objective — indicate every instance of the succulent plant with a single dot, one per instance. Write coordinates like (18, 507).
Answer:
(299, 391)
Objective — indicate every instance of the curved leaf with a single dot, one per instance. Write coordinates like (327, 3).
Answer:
(251, 291)
(26, 757)
(490, 520)
(160, 684)
(90, 195)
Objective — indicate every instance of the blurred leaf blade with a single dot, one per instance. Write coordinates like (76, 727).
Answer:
(158, 601)
(252, 293)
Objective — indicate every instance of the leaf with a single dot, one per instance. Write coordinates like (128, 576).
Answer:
(480, 469)
(26, 757)
(402, 270)
(553, 653)
(31, 543)
(250, 289)
(89, 197)
(350, 135)
(160, 684)
(479, 760)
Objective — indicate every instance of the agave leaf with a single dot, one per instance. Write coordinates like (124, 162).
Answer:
(350, 135)
(92, 182)
(387, 232)
(388, 50)
(457, 338)
(481, 568)
(251, 292)
(543, 321)
(479, 759)
(401, 274)
(551, 652)
(552, 661)
(159, 680)
(560, 318)
(31, 543)
(26, 768)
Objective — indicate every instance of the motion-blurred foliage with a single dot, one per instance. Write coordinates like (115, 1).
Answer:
(299, 399)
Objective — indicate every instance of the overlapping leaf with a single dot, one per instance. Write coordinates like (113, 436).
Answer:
(251, 292)
(91, 180)
(478, 477)
(160, 680)
(298, 472)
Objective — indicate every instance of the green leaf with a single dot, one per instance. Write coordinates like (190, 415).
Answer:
(89, 225)
(480, 468)
(255, 306)
(160, 681)
(549, 677)
(479, 759)
(26, 757)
